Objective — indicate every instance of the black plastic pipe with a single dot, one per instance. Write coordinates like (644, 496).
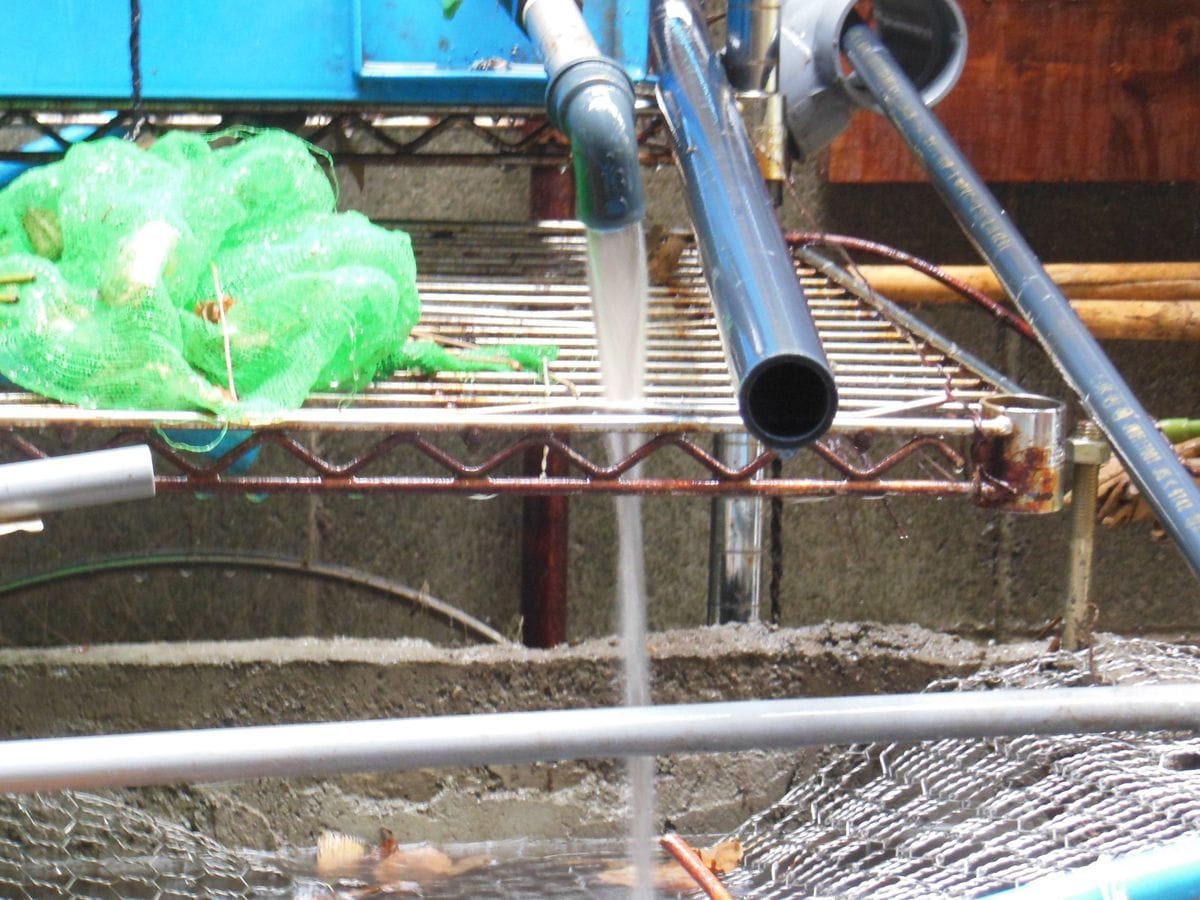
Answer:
(786, 393)
(1146, 453)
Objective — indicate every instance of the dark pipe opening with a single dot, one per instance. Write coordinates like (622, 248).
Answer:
(788, 401)
(923, 35)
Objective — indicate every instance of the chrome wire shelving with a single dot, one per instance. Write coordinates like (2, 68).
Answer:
(902, 391)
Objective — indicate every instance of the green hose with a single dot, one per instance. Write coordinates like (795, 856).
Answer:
(1179, 430)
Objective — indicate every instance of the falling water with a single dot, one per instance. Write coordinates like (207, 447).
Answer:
(619, 283)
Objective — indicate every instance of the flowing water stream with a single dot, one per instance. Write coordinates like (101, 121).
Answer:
(620, 284)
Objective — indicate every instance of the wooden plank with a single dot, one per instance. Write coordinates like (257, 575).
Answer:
(1092, 281)
(1116, 301)
(1060, 90)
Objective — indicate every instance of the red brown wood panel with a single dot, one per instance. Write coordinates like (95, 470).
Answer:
(1060, 90)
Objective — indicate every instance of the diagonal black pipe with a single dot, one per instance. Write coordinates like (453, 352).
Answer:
(785, 389)
(1147, 454)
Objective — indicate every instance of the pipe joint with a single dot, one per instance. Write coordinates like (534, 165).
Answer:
(928, 37)
(1031, 460)
(592, 101)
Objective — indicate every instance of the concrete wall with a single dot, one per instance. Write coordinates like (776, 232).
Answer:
(120, 688)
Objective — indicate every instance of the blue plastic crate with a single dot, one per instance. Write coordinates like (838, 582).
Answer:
(291, 51)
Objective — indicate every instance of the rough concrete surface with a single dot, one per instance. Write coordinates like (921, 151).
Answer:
(141, 687)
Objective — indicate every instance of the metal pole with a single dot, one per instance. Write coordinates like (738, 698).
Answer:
(735, 545)
(735, 548)
(329, 748)
(751, 61)
(1147, 455)
(1089, 452)
(752, 43)
(545, 520)
(34, 487)
(545, 555)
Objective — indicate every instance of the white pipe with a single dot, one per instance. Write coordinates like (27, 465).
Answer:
(558, 32)
(469, 740)
(34, 487)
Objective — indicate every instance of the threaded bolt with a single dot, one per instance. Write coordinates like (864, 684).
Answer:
(1089, 452)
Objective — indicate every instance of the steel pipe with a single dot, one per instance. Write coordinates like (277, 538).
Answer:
(751, 43)
(1148, 456)
(786, 393)
(32, 488)
(288, 751)
(735, 543)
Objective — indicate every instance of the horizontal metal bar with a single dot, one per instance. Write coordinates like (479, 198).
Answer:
(330, 748)
(549, 487)
(550, 416)
(31, 488)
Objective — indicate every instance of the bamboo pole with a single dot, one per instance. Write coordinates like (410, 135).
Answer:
(1117, 301)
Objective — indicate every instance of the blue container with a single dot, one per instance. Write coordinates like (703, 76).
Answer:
(369, 52)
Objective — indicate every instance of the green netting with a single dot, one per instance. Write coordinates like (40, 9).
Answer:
(429, 357)
(126, 247)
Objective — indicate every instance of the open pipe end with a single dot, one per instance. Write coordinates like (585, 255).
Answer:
(788, 401)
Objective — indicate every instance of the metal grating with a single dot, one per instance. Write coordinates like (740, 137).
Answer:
(489, 284)
(495, 284)
(965, 818)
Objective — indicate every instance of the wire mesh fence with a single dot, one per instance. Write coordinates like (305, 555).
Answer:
(943, 818)
(963, 818)
(73, 844)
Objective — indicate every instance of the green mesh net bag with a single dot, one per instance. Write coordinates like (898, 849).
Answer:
(195, 275)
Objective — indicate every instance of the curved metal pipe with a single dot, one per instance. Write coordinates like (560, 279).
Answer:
(785, 389)
(328, 748)
(1147, 454)
(591, 100)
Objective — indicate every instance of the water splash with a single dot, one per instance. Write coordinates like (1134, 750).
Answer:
(619, 283)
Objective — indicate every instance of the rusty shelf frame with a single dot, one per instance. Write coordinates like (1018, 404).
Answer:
(913, 398)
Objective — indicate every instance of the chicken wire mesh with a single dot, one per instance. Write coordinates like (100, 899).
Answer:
(943, 818)
(73, 844)
(965, 818)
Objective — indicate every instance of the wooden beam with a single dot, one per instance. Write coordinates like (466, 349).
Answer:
(1117, 301)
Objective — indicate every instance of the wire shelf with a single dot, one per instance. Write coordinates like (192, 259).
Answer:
(497, 284)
